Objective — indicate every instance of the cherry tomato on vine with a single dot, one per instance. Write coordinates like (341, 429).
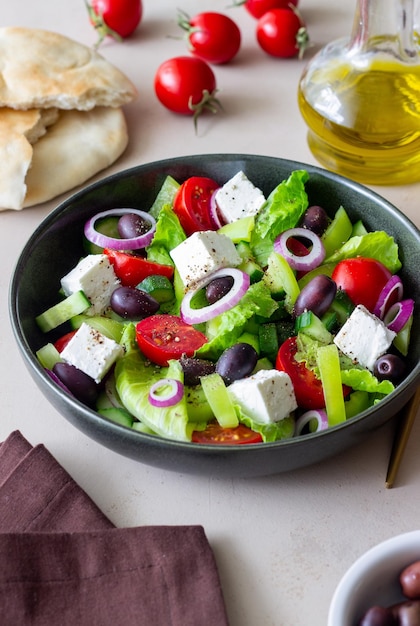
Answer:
(257, 8)
(186, 85)
(192, 204)
(215, 434)
(281, 33)
(163, 337)
(211, 36)
(115, 18)
(362, 279)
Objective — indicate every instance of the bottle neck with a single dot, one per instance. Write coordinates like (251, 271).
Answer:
(385, 26)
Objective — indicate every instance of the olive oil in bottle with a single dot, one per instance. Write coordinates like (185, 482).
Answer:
(361, 98)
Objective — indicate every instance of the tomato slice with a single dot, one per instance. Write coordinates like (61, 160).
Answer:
(131, 270)
(308, 388)
(362, 279)
(163, 337)
(61, 342)
(192, 204)
(215, 434)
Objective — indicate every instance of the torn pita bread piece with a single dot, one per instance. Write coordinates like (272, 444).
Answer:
(44, 69)
(18, 131)
(75, 148)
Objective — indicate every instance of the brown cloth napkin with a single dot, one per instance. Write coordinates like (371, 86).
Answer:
(62, 562)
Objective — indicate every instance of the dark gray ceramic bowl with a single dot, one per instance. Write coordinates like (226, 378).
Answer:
(42, 263)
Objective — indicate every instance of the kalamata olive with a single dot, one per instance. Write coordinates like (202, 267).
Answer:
(236, 362)
(316, 296)
(131, 225)
(82, 386)
(218, 288)
(389, 367)
(315, 219)
(132, 303)
(407, 613)
(410, 581)
(378, 616)
(194, 367)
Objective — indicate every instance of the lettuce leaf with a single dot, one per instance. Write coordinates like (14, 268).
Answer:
(169, 233)
(283, 429)
(282, 210)
(363, 380)
(376, 245)
(225, 329)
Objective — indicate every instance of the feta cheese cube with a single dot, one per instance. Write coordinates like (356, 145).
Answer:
(267, 396)
(92, 352)
(239, 198)
(95, 276)
(202, 254)
(364, 337)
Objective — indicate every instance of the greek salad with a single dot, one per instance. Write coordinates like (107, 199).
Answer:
(223, 316)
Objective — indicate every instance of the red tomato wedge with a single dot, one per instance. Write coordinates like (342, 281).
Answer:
(163, 337)
(308, 388)
(61, 342)
(362, 279)
(215, 434)
(192, 204)
(131, 270)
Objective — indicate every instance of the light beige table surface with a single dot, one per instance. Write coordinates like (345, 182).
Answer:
(282, 542)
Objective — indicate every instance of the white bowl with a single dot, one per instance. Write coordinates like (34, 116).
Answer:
(373, 579)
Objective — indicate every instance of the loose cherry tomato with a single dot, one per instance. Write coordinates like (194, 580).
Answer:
(215, 434)
(362, 279)
(131, 270)
(281, 33)
(186, 85)
(212, 36)
(308, 388)
(192, 204)
(115, 18)
(163, 337)
(257, 8)
(61, 342)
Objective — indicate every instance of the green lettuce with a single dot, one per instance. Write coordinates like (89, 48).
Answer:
(376, 245)
(283, 209)
(134, 376)
(169, 233)
(224, 330)
(283, 429)
(363, 380)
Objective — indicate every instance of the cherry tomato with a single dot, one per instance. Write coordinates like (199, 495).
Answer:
(115, 18)
(186, 85)
(257, 8)
(281, 33)
(212, 36)
(61, 342)
(162, 337)
(131, 270)
(215, 434)
(308, 388)
(362, 279)
(192, 204)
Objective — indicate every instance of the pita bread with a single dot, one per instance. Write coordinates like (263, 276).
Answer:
(18, 130)
(43, 69)
(75, 148)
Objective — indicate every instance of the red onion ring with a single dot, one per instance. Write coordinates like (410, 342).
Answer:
(135, 243)
(306, 263)
(175, 394)
(314, 414)
(241, 282)
(214, 212)
(391, 293)
(399, 314)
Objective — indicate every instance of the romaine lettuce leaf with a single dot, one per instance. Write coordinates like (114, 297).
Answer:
(282, 210)
(169, 233)
(375, 245)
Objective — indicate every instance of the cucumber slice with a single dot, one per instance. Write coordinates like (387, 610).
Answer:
(312, 326)
(269, 343)
(119, 416)
(337, 233)
(280, 279)
(106, 226)
(239, 230)
(329, 369)
(48, 356)
(165, 196)
(62, 312)
(113, 329)
(159, 287)
(219, 400)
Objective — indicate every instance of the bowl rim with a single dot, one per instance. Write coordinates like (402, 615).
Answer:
(92, 416)
(362, 567)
